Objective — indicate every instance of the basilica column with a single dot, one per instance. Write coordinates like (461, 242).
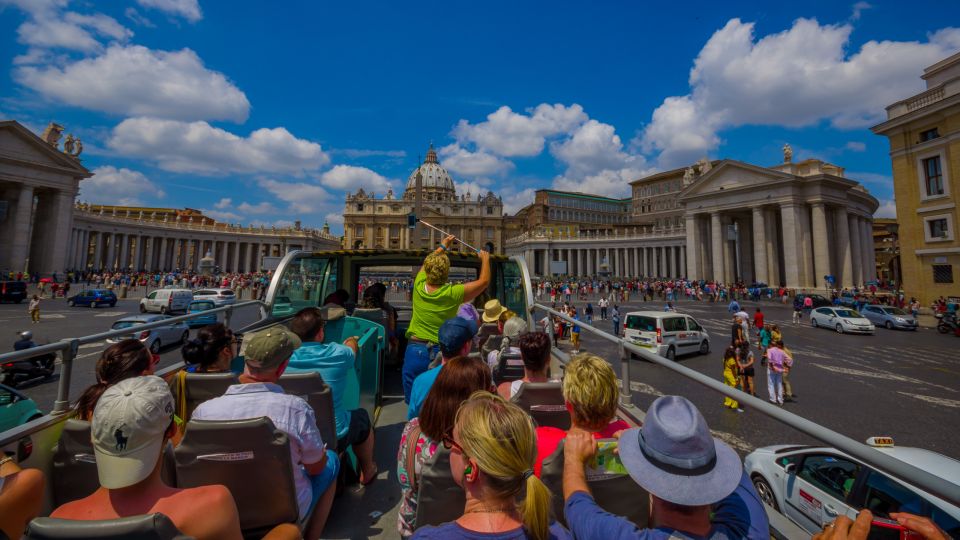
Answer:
(790, 217)
(773, 246)
(692, 268)
(844, 259)
(821, 247)
(853, 226)
(22, 226)
(806, 248)
(716, 230)
(760, 246)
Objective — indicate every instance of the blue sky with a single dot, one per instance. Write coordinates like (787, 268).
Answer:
(269, 112)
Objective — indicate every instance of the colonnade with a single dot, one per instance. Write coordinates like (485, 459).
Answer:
(794, 244)
(667, 260)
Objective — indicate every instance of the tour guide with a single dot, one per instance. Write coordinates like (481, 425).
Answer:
(434, 301)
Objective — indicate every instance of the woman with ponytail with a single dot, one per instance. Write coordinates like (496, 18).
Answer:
(492, 450)
(123, 360)
(211, 351)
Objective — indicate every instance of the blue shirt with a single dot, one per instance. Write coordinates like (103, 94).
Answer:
(333, 361)
(454, 530)
(419, 391)
(733, 307)
(733, 517)
(576, 327)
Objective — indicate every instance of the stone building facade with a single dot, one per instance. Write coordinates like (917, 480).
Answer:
(568, 211)
(924, 135)
(381, 223)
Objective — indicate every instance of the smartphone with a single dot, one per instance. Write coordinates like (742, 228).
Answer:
(888, 529)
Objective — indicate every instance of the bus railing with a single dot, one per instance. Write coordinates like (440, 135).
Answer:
(900, 470)
(69, 347)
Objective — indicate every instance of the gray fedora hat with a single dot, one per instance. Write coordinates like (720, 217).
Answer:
(674, 457)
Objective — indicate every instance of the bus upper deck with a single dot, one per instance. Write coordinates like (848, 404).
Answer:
(307, 279)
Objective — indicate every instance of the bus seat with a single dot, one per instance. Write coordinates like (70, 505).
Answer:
(486, 331)
(310, 386)
(75, 467)
(615, 492)
(545, 403)
(144, 527)
(251, 458)
(374, 315)
(202, 387)
(509, 368)
(440, 499)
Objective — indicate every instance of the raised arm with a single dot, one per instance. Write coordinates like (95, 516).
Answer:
(475, 288)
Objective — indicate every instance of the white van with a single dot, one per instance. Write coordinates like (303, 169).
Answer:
(167, 301)
(666, 333)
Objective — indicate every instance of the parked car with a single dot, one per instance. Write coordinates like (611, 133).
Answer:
(818, 300)
(848, 299)
(13, 291)
(167, 301)
(93, 298)
(199, 306)
(843, 320)
(155, 338)
(889, 317)
(664, 333)
(219, 296)
(16, 408)
(812, 485)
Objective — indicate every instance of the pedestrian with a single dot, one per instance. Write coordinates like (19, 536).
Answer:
(788, 365)
(33, 308)
(758, 320)
(730, 377)
(776, 360)
(745, 362)
(588, 311)
(615, 317)
(575, 331)
(797, 310)
(602, 303)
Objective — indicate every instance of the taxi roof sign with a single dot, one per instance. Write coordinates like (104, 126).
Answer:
(880, 442)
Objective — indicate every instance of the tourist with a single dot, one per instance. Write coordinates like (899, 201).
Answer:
(615, 318)
(745, 361)
(492, 453)
(334, 362)
(574, 331)
(315, 467)
(459, 379)
(696, 483)
(513, 329)
(140, 410)
(21, 496)
(122, 360)
(456, 338)
(777, 361)
(434, 301)
(211, 351)
(730, 376)
(534, 350)
(33, 308)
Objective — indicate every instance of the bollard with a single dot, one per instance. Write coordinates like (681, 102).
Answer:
(69, 352)
(123, 291)
(625, 374)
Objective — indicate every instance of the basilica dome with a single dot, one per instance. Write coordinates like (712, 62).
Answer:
(435, 179)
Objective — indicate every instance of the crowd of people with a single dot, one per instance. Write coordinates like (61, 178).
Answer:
(690, 484)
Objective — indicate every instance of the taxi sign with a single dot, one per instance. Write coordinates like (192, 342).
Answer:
(880, 442)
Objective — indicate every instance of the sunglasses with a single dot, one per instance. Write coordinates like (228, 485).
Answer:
(449, 443)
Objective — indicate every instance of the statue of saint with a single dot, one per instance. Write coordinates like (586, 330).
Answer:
(688, 176)
(787, 153)
(51, 135)
(68, 145)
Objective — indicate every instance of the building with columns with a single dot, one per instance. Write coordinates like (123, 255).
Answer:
(381, 223)
(569, 211)
(790, 224)
(924, 135)
(38, 184)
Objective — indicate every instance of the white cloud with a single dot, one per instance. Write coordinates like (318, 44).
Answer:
(351, 178)
(48, 26)
(137, 81)
(797, 77)
(509, 134)
(887, 209)
(198, 147)
(858, 10)
(257, 209)
(363, 152)
(223, 215)
(334, 218)
(855, 146)
(301, 197)
(594, 146)
(125, 187)
(188, 9)
(473, 188)
(870, 179)
(607, 183)
(462, 161)
(513, 201)
(223, 203)
(137, 19)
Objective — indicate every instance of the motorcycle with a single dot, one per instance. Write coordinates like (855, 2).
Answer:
(946, 323)
(16, 371)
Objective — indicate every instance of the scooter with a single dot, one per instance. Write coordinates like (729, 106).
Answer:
(11, 373)
(946, 323)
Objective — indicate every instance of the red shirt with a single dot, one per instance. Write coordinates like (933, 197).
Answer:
(548, 438)
(758, 320)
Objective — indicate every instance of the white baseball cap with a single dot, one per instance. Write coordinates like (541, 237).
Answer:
(128, 425)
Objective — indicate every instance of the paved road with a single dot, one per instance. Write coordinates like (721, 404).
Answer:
(902, 384)
(58, 321)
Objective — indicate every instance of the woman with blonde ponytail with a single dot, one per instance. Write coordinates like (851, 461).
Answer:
(492, 447)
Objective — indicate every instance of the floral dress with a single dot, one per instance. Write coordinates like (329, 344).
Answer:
(425, 448)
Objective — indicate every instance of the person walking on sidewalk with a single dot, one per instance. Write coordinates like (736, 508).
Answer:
(730, 376)
(33, 308)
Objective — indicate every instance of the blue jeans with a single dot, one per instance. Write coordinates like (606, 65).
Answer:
(416, 360)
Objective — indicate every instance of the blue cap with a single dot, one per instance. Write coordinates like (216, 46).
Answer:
(454, 333)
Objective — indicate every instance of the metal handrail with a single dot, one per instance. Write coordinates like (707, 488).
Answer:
(900, 470)
(69, 347)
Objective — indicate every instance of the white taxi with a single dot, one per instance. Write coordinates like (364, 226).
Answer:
(813, 485)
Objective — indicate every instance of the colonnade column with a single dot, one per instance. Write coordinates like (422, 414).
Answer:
(760, 246)
(789, 216)
(716, 231)
(22, 218)
(137, 250)
(842, 229)
(683, 261)
(98, 252)
(692, 268)
(124, 252)
(236, 257)
(111, 251)
(853, 226)
(869, 252)
(821, 248)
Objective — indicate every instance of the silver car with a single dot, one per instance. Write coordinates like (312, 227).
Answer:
(842, 319)
(889, 317)
(155, 338)
(221, 296)
(813, 485)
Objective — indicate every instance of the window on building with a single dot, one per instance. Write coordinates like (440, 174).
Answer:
(933, 176)
(938, 228)
(358, 231)
(943, 273)
(489, 210)
(489, 233)
(929, 135)
(359, 207)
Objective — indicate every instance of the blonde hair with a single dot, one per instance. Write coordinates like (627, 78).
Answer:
(502, 439)
(507, 315)
(437, 267)
(590, 386)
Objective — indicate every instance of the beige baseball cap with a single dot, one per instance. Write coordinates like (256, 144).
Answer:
(270, 347)
(128, 425)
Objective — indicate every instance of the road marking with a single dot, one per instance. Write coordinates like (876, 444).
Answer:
(733, 440)
(111, 314)
(935, 400)
(878, 374)
(91, 345)
(52, 316)
(644, 389)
